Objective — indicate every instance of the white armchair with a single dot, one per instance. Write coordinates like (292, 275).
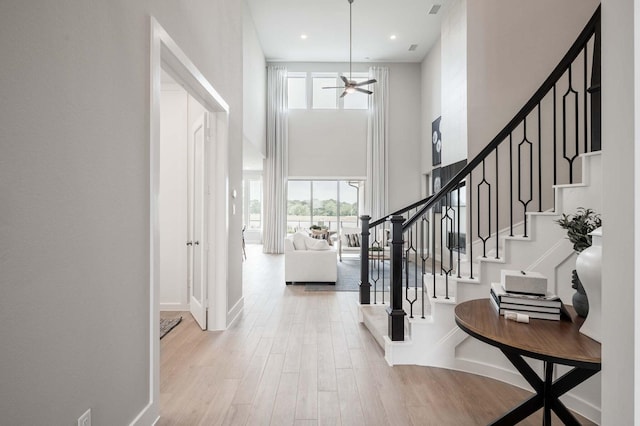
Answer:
(309, 260)
(349, 241)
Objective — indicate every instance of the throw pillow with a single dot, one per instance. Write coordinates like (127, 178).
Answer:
(321, 235)
(299, 241)
(353, 240)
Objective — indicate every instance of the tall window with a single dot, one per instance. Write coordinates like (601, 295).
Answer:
(349, 203)
(357, 100)
(297, 90)
(298, 205)
(328, 203)
(252, 202)
(305, 90)
(325, 203)
(325, 98)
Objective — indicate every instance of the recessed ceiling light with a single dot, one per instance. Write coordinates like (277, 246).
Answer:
(303, 36)
(392, 37)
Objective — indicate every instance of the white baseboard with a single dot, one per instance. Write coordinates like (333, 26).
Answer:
(235, 311)
(174, 307)
(148, 416)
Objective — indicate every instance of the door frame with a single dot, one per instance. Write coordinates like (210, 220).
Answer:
(166, 55)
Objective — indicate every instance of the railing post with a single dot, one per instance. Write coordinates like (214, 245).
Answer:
(365, 285)
(395, 311)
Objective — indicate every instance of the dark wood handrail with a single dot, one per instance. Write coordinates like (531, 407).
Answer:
(537, 97)
(399, 212)
(403, 210)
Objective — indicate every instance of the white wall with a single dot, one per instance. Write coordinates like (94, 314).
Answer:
(254, 88)
(453, 125)
(512, 46)
(327, 143)
(172, 199)
(431, 100)
(620, 218)
(336, 140)
(74, 196)
(405, 133)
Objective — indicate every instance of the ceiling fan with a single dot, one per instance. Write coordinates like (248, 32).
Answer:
(350, 85)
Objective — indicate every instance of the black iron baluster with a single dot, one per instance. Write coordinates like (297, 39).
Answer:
(539, 159)
(497, 206)
(433, 250)
(480, 185)
(594, 91)
(511, 184)
(584, 99)
(555, 147)
(570, 91)
(365, 285)
(407, 253)
(450, 228)
(525, 203)
(420, 233)
(470, 238)
(458, 233)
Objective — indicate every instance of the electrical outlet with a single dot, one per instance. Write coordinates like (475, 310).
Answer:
(85, 419)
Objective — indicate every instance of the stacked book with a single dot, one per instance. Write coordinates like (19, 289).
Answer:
(537, 306)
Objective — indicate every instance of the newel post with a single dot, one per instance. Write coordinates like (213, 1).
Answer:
(365, 285)
(395, 311)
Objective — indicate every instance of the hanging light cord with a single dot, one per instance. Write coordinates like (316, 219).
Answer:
(350, 37)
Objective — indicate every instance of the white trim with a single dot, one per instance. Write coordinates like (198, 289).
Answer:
(174, 307)
(146, 417)
(166, 55)
(235, 311)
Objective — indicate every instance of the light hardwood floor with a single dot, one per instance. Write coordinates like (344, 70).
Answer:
(301, 358)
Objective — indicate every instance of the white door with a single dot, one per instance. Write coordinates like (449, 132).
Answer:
(196, 244)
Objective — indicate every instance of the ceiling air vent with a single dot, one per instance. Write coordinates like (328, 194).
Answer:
(434, 9)
(413, 47)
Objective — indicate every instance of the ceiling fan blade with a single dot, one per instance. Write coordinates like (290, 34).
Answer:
(336, 87)
(346, 81)
(343, 94)
(364, 83)
(368, 92)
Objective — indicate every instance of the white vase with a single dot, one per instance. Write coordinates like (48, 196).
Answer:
(589, 267)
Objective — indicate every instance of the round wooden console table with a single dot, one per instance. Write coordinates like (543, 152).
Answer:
(554, 342)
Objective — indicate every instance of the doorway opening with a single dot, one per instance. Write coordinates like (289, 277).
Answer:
(186, 134)
(207, 219)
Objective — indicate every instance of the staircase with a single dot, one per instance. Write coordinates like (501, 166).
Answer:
(545, 162)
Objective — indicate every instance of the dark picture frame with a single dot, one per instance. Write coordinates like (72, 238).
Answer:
(436, 185)
(436, 142)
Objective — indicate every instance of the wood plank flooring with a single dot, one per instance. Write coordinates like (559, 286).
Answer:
(301, 358)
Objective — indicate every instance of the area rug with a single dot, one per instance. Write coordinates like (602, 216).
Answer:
(348, 278)
(167, 324)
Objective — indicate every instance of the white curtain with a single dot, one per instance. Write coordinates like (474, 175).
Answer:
(275, 185)
(377, 190)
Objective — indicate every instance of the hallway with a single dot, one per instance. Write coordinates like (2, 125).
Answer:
(299, 357)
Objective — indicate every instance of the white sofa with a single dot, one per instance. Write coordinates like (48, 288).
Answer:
(309, 260)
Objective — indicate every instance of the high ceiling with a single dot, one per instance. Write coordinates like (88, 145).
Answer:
(281, 23)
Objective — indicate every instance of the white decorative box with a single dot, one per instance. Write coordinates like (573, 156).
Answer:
(527, 282)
